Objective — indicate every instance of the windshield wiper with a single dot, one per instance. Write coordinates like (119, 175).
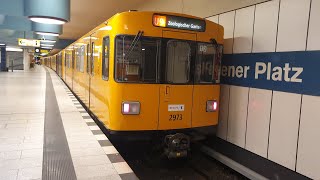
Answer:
(133, 44)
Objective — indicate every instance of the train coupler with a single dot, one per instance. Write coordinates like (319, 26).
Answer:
(176, 145)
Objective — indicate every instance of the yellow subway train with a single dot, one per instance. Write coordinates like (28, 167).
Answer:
(147, 72)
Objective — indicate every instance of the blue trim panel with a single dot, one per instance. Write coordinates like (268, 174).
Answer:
(294, 72)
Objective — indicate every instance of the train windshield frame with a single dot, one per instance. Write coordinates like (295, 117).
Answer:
(157, 60)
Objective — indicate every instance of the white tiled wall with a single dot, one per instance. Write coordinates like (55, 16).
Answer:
(227, 21)
(309, 135)
(293, 25)
(265, 27)
(224, 111)
(237, 118)
(314, 27)
(243, 30)
(258, 121)
(308, 156)
(284, 128)
(280, 126)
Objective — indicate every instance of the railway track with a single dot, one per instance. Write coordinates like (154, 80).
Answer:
(148, 162)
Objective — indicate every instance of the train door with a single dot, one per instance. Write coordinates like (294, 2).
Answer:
(65, 66)
(72, 61)
(176, 93)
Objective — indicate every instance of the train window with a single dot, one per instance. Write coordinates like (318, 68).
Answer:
(207, 66)
(92, 58)
(67, 57)
(136, 59)
(178, 61)
(65, 60)
(80, 58)
(88, 47)
(105, 58)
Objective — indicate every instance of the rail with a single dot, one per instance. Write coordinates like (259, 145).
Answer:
(232, 164)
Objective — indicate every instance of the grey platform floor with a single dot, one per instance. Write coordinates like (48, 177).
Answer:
(22, 130)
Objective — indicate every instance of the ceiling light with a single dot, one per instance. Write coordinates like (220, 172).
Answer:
(90, 37)
(46, 20)
(48, 41)
(80, 44)
(13, 49)
(46, 47)
(50, 45)
(2, 44)
(47, 34)
(107, 28)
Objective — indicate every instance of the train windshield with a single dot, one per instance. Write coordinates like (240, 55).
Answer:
(171, 61)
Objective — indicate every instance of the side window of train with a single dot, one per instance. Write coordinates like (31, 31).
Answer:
(92, 58)
(105, 58)
(88, 69)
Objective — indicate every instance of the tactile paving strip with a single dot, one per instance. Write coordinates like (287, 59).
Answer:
(57, 162)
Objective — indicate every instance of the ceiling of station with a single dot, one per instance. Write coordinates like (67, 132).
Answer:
(87, 14)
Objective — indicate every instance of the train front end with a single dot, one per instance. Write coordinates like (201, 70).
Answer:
(166, 75)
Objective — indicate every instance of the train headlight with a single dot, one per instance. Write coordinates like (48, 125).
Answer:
(130, 107)
(212, 106)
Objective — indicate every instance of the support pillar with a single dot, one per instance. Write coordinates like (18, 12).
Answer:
(26, 60)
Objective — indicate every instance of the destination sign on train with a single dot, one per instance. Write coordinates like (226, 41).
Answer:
(178, 22)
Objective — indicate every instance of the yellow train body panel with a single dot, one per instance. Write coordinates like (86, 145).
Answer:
(104, 97)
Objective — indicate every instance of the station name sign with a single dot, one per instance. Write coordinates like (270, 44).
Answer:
(29, 42)
(178, 22)
(294, 72)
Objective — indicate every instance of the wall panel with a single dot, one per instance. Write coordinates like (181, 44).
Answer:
(265, 27)
(284, 128)
(293, 24)
(243, 30)
(214, 19)
(223, 113)
(258, 121)
(309, 147)
(227, 21)
(314, 27)
(238, 104)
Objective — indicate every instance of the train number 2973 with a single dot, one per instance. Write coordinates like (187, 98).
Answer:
(175, 117)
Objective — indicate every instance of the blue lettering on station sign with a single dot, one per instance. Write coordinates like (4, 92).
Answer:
(295, 72)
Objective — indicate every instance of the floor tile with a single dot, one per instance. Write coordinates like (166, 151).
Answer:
(95, 171)
(95, 132)
(31, 153)
(122, 167)
(90, 160)
(110, 150)
(101, 137)
(94, 127)
(10, 155)
(87, 152)
(105, 143)
(115, 158)
(129, 176)
(8, 174)
(30, 173)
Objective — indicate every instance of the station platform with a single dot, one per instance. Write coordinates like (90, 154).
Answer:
(45, 133)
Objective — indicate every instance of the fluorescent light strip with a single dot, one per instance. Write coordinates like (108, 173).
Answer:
(14, 49)
(46, 47)
(2, 44)
(47, 34)
(50, 45)
(107, 28)
(48, 41)
(46, 20)
(89, 37)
